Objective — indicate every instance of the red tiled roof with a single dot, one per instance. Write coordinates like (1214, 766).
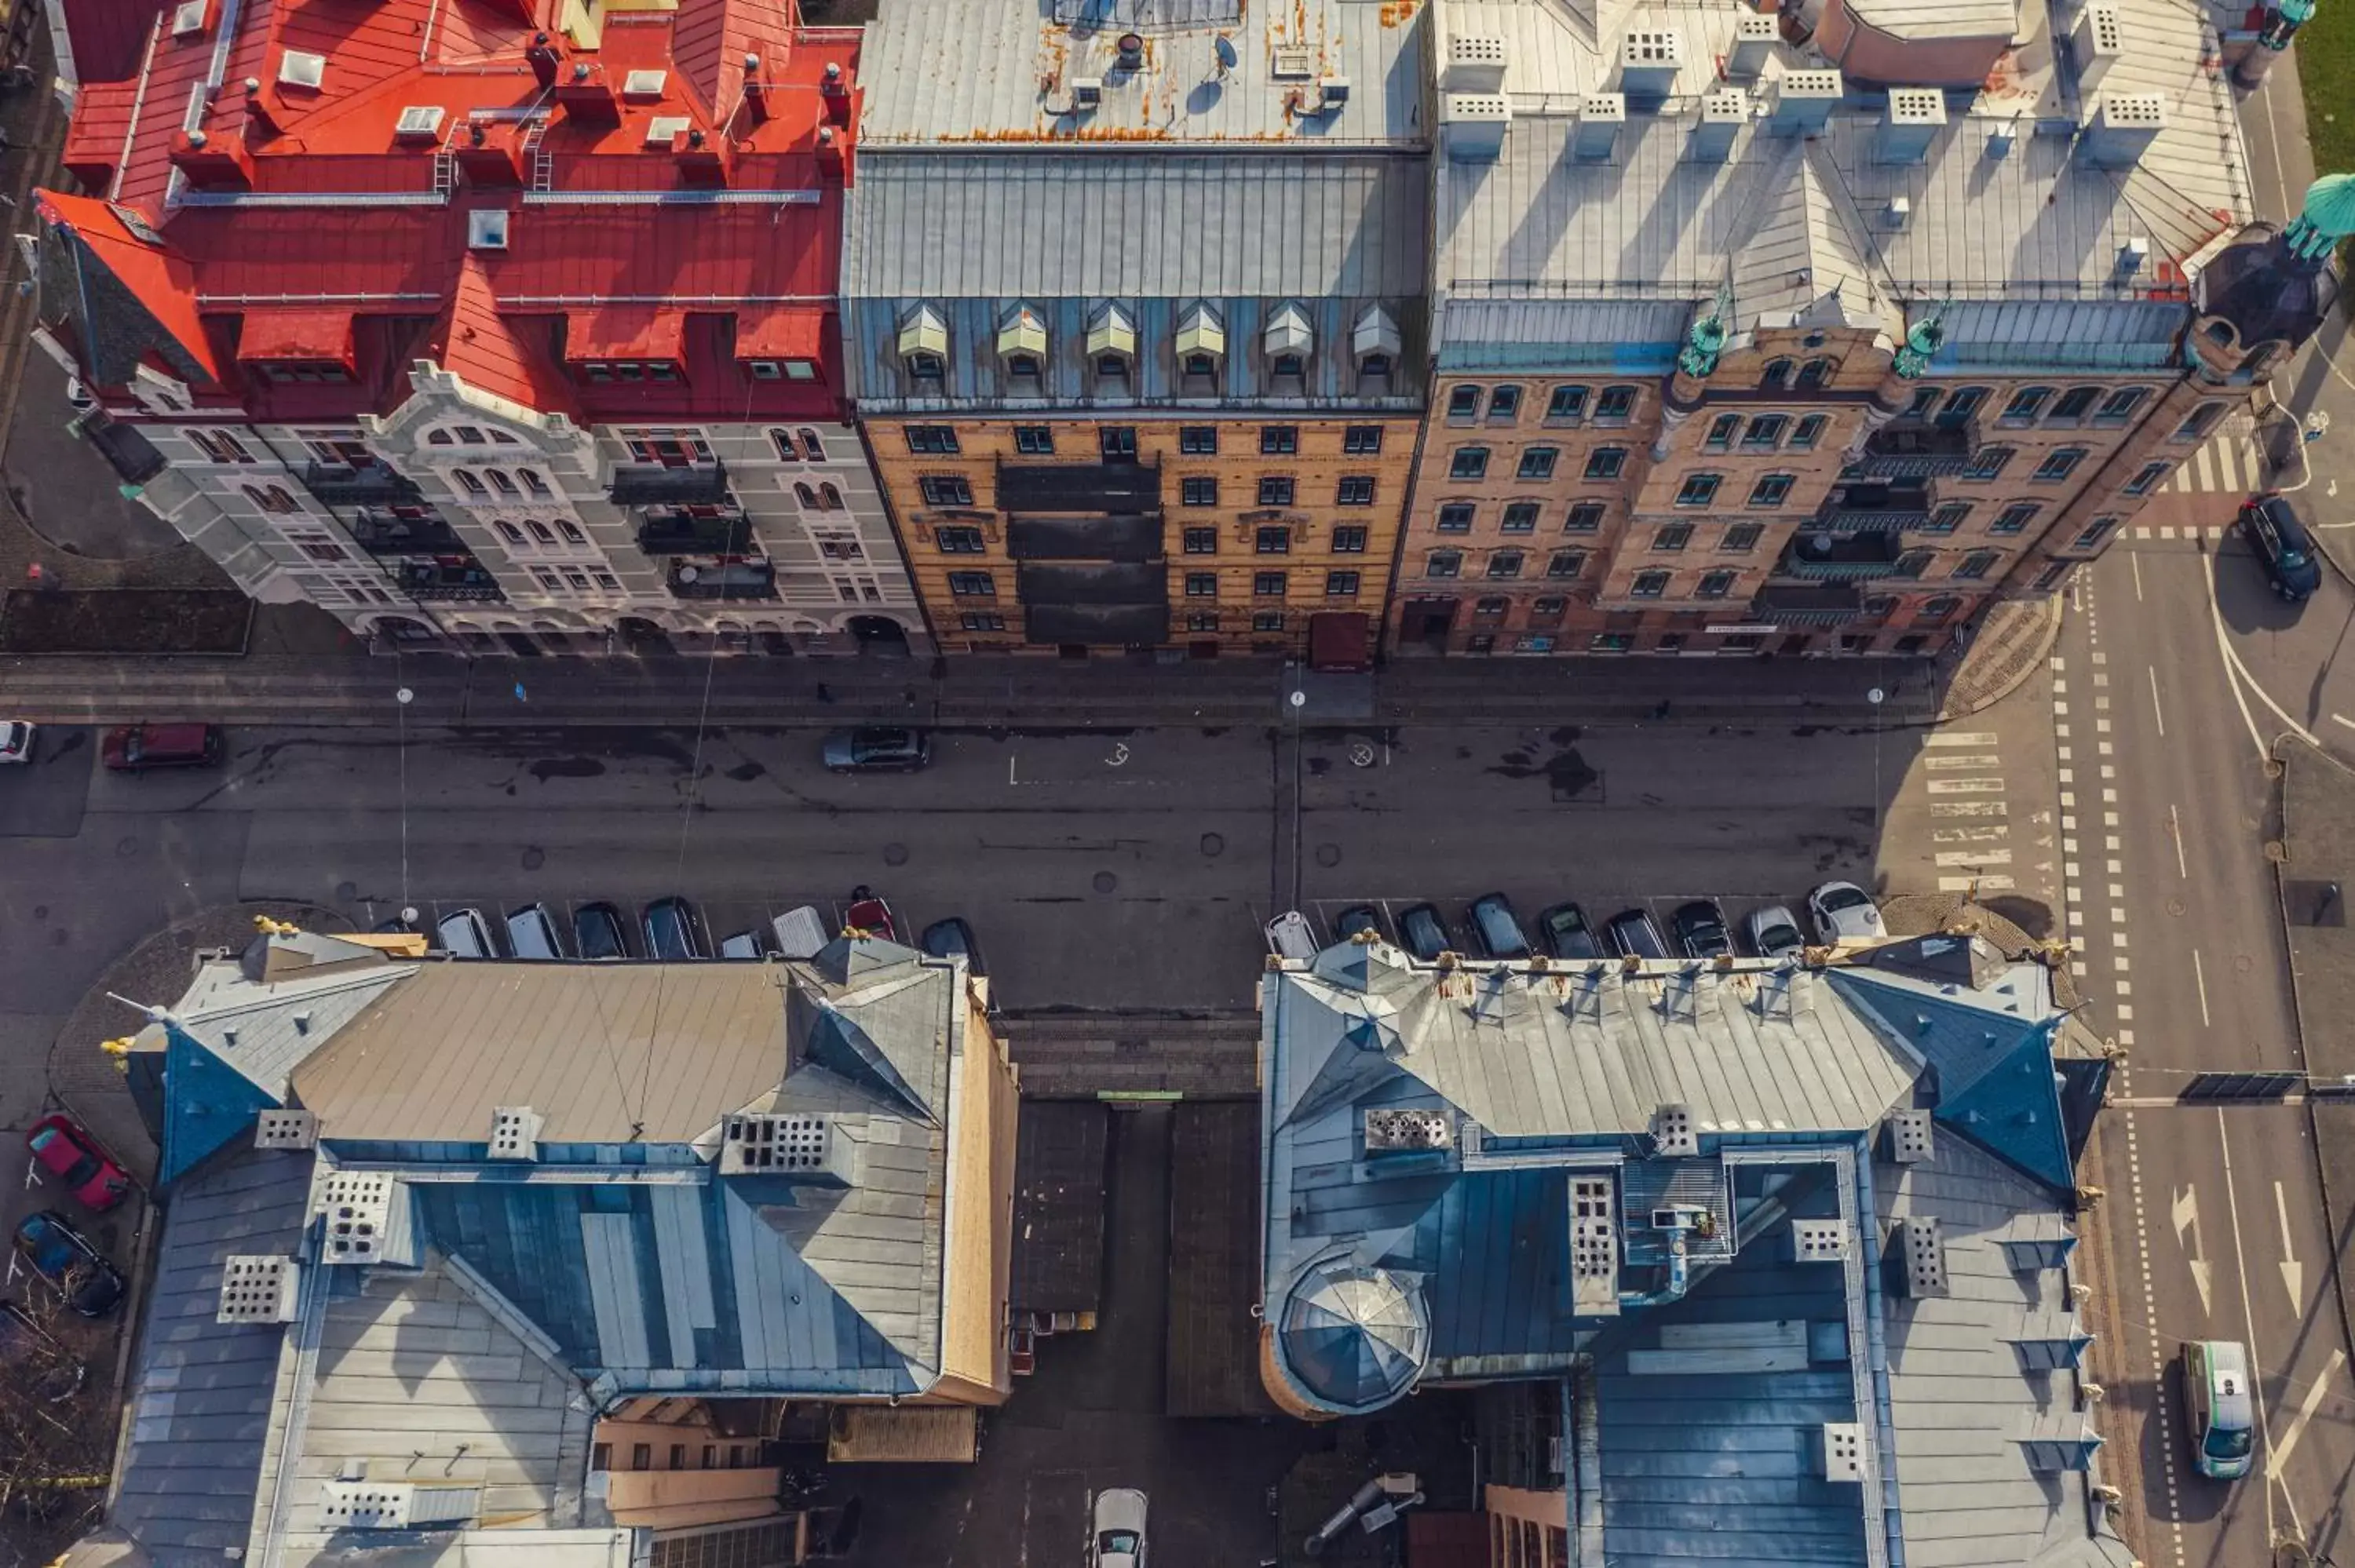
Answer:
(624, 332)
(784, 332)
(307, 333)
(162, 280)
(485, 348)
(109, 37)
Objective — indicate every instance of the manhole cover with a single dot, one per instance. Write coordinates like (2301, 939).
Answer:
(534, 858)
(348, 891)
(2243, 963)
(1212, 844)
(40, 911)
(1105, 882)
(2175, 907)
(126, 847)
(1328, 855)
(895, 854)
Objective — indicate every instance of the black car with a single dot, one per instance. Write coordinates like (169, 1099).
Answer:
(1566, 935)
(1497, 929)
(2277, 534)
(65, 1258)
(1356, 920)
(876, 750)
(1635, 935)
(675, 932)
(953, 939)
(1701, 930)
(1423, 931)
(600, 932)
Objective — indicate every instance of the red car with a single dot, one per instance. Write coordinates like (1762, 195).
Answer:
(74, 1158)
(870, 914)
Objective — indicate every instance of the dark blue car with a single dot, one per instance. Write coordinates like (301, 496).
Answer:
(64, 1256)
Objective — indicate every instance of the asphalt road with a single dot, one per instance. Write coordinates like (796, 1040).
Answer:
(2218, 1220)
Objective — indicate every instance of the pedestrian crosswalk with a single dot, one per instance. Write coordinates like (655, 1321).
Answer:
(2230, 462)
(1970, 821)
(2167, 532)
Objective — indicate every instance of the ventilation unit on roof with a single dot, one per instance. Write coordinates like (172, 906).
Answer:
(2131, 256)
(1674, 1135)
(259, 1289)
(419, 122)
(1396, 1130)
(1922, 1251)
(1723, 115)
(189, 19)
(663, 129)
(515, 1132)
(1804, 101)
(1292, 62)
(1909, 1137)
(1649, 59)
(2000, 137)
(1475, 65)
(1754, 44)
(286, 1129)
(1912, 122)
(805, 1148)
(644, 83)
(395, 1505)
(1087, 93)
(298, 68)
(1332, 92)
(2124, 127)
(2096, 42)
(486, 228)
(1897, 213)
(1599, 116)
(1843, 1451)
(1593, 1247)
(1472, 126)
(1818, 1241)
(364, 1218)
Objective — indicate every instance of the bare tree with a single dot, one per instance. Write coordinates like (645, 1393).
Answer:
(57, 1424)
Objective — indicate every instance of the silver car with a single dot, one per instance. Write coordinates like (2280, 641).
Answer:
(465, 934)
(531, 933)
(1843, 912)
(1773, 931)
(1119, 1534)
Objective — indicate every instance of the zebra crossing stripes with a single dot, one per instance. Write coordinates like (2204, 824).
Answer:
(1971, 824)
(2167, 533)
(2229, 462)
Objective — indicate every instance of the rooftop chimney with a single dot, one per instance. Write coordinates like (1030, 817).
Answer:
(490, 154)
(587, 98)
(2124, 127)
(833, 156)
(703, 163)
(1804, 101)
(1914, 118)
(1754, 36)
(1472, 126)
(1475, 65)
(1649, 59)
(1599, 116)
(544, 60)
(1723, 115)
(259, 122)
(835, 89)
(756, 91)
(212, 165)
(2096, 42)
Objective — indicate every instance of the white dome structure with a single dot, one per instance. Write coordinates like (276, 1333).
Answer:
(1355, 1337)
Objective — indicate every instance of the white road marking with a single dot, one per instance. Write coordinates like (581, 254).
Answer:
(2248, 1313)
(1969, 759)
(2185, 1213)
(1967, 737)
(2156, 711)
(1973, 857)
(2134, 559)
(1969, 807)
(2342, 718)
(1968, 835)
(2293, 1271)
(1966, 786)
(2199, 973)
(2175, 825)
(1984, 883)
(2294, 1427)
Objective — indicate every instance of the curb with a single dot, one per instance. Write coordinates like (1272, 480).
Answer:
(2046, 618)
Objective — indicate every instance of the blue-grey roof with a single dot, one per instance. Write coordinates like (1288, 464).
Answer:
(200, 1390)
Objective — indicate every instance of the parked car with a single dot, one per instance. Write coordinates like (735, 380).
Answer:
(1635, 935)
(531, 933)
(1119, 1536)
(1497, 929)
(22, 1341)
(62, 1255)
(878, 751)
(68, 1153)
(1843, 912)
(1357, 919)
(15, 741)
(1289, 936)
(136, 747)
(953, 939)
(600, 932)
(800, 933)
(2216, 1391)
(1773, 931)
(675, 932)
(1566, 935)
(2278, 537)
(1424, 931)
(749, 943)
(870, 914)
(1701, 930)
(465, 934)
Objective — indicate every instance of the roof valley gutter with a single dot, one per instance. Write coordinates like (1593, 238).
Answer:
(138, 106)
(1872, 1378)
(310, 1329)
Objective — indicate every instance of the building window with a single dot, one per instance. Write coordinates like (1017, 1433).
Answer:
(1765, 432)
(958, 540)
(1697, 490)
(1505, 563)
(1520, 517)
(1202, 621)
(1350, 539)
(1268, 620)
(1776, 375)
(1937, 610)
(2058, 464)
(1975, 565)
(1198, 492)
(2016, 517)
(1606, 462)
(1649, 585)
(1809, 430)
(272, 498)
(1197, 440)
(1490, 609)
(1585, 517)
(1958, 407)
(1340, 585)
(1468, 462)
(1276, 490)
(2152, 475)
(2093, 534)
(1117, 443)
(2026, 404)
(1672, 536)
(220, 446)
(2075, 402)
(933, 441)
(1613, 642)
(1355, 490)
(1279, 440)
(1815, 373)
(1547, 609)
(1911, 565)
(1505, 405)
(1201, 585)
(1463, 403)
(1722, 431)
(1616, 405)
(973, 585)
(1201, 541)
(1273, 541)
(1741, 538)
(1268, 585)
(978, 620)
(2196, 424)
(1537, 462)
(1566, 563)
(1989, 462)
(1947, 517)
(1715, 585)
(2049, 578)
(1034, 440)
(1567, 404)
(1444, 563)
(1772, 489)
(1455, 517)
(945, 489)
(468, 482)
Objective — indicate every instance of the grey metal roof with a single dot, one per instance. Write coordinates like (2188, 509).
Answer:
(1000, 70)
(271, 1009)
(200, 1390)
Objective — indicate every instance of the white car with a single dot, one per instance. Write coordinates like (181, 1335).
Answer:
(1843, 912)
(1772, 932)
(1119, 1533)
(15, 741)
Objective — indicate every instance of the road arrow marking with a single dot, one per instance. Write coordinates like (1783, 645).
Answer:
(2293, 1271)
(2186, 1214)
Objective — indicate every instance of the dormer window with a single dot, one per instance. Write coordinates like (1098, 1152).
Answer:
(924, 345)
(1376, 346)
(1201, 347)
(1022, 348)
(1288, 343)
(1112, 343)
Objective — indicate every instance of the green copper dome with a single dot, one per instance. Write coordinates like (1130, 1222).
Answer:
(2330, 206)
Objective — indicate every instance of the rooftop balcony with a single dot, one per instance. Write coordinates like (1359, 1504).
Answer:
(1868, 506)
(670, 532)
(379, 534)
(1841, 557)
(1810, 604)
(1106, 487)
(1913, 451)
(358, 485)
(724, 579)
(653, 484)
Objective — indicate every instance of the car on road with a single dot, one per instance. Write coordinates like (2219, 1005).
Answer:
(1357, 920)
(137, 747)
(1701, 930)
(2277, 536)
(1289, 935)
(1635, 935)
(1497, 929)
(66, 1151)
(1566, 935)
(2216, 1393)
(675, 932)
(953, 939)
(749, 943)
(1773, 931)
(465, 934)
(15, 741)
(599, 931)
(1424, 931)
(870, 914)
(878, 751)
(531, 933)
(1843, 912)
(1119, 1534)
(63, 1256)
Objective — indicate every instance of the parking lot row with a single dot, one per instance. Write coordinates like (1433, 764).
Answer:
(674, 928)
(1657, 927)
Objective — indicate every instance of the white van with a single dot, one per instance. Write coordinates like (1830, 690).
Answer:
(1289, 936)
(2223, 1414)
